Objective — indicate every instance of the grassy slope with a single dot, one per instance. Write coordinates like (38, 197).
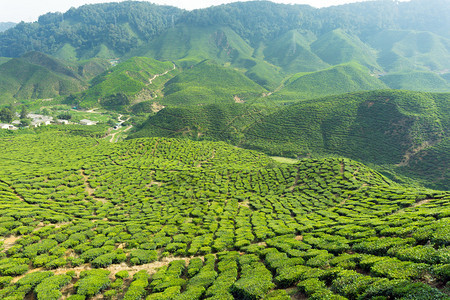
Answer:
(189, 45)
(207, 83)
(128, 78)
(292, 52)
(221, 122)
(378, 126)
(339, 79)
(337, 47)
(36, 75)
(21, 79)
(409, 50)
(416, 81)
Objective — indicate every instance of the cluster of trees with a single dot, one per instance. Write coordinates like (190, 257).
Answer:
(123, 26)
(119, 26)
(8, 114)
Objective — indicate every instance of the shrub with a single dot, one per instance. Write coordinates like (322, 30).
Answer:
(92, 282)
(122, 274)
(254, 283)
(140, 256)
(137, 287)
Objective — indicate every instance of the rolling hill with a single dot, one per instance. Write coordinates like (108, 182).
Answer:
(134, 80)
(405, 50)
(416, 81)
(293, 54)
(36, 75)
(377, 126)
(216, 122)
(349, 77)
(207, 83)
(399, 129)
(338, 47)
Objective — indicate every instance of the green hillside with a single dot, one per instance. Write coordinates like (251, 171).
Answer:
(20, 79)
(105, 30)
(207, 83)
(292, 52)
(165, 218)
(4, 59)
(339, 79)
(217, 122)
(337, 47)
(36, 75)
(430, 165)
(416, 81)
(402, 51)
(189, 45)
(378, 126)
(126, 83)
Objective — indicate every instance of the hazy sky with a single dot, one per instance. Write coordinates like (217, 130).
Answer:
(30, 10)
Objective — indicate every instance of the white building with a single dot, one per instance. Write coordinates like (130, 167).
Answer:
(7, 126)
(87, 122)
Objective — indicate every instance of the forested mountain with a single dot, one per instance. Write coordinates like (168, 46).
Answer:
(117, 26)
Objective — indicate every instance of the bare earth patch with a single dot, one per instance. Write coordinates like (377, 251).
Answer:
(9, 242)
(238, 100)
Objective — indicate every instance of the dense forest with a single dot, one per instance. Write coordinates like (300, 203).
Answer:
(123, 26)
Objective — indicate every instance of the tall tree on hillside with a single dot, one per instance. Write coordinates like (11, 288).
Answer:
(23, 112)
(6, 115)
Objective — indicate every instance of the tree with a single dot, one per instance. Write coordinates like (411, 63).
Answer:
(25, 122)
(65, 116)
(23, 112)
(6, 115)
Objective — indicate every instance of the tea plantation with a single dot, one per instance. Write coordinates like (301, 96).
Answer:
(161, 218)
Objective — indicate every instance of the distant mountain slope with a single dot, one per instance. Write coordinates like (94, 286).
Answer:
(377, 126)
(121, 27)
(407, 50)
(339, 79)
(416, 81)
(115, 27)
(36, 75)
(207, 83)
(188, 45)
(292, 52)
(337, 47)
(126, 82)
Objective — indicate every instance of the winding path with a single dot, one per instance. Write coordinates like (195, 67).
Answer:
(162, 74)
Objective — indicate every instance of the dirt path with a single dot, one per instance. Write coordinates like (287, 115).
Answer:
(90, 190)
(113, 138)
(151, 268)
(150, 81)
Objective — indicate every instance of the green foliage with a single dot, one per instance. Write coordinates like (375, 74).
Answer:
(209, 83)
(332, 226)
(140, 257)
(92, 282)
(137, 287)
